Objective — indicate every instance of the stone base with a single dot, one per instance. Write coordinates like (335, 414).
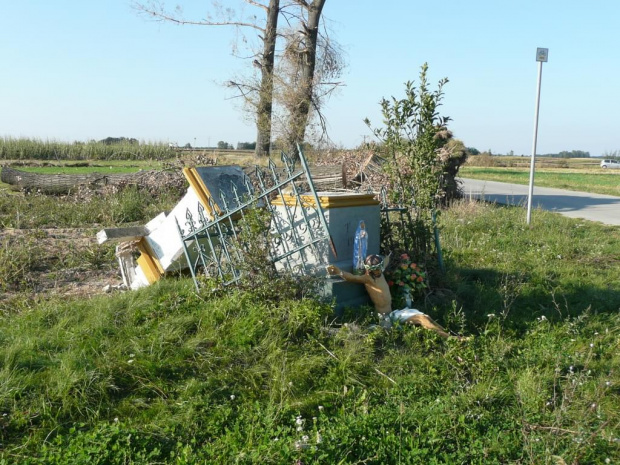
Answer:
(344, 294)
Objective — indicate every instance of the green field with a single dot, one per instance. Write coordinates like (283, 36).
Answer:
(585, 180)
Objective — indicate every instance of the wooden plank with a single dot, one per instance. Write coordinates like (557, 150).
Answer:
(121, 234)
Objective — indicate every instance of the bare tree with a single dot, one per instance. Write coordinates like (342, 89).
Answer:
(301, 52)
(300, 101)
(265, 100)
(258, 95)
(307, 60)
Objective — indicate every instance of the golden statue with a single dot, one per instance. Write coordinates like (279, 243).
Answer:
(379, 292)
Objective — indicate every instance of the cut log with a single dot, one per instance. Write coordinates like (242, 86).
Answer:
(64, 183)
(325, 178)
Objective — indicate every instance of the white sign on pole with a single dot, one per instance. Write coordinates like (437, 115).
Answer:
(542, 54)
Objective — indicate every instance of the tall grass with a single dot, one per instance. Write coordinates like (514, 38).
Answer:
(36, 149)
(165, 375)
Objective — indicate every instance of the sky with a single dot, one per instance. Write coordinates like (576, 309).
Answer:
(76, 70)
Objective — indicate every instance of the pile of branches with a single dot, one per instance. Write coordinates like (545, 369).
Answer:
(362, 168)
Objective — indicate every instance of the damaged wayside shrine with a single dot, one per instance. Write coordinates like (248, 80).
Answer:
(308, 229)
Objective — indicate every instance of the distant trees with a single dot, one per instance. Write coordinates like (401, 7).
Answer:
(563, 154)
(246, 145)
(119, 140)
(224, 145)
(574, 154)
(567, 154)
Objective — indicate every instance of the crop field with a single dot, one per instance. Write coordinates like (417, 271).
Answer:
(30, 149)
(265, 374)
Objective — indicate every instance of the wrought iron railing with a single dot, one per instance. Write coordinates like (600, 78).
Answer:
(298, 234)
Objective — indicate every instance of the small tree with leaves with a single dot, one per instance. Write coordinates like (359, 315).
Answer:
(421, 160)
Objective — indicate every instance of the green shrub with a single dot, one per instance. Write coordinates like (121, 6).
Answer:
(422, 161)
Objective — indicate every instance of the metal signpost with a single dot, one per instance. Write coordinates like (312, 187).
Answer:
(542, 55)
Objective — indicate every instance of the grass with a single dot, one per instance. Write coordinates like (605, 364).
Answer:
(27, 211)
(577, 180)
(165, 375)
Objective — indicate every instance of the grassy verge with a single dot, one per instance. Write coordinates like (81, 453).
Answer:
(165, 375)
(595, 182)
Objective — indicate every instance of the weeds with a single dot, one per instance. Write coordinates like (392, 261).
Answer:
(27, 211)
(19, 257)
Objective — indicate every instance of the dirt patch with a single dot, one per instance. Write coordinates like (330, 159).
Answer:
(66, 262)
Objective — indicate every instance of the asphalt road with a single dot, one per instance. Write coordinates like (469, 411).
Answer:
(594, 207)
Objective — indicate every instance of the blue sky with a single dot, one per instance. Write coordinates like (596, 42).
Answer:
(89, 69)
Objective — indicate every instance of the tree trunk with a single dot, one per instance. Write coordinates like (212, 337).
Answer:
(301, 109)
(265, 98)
